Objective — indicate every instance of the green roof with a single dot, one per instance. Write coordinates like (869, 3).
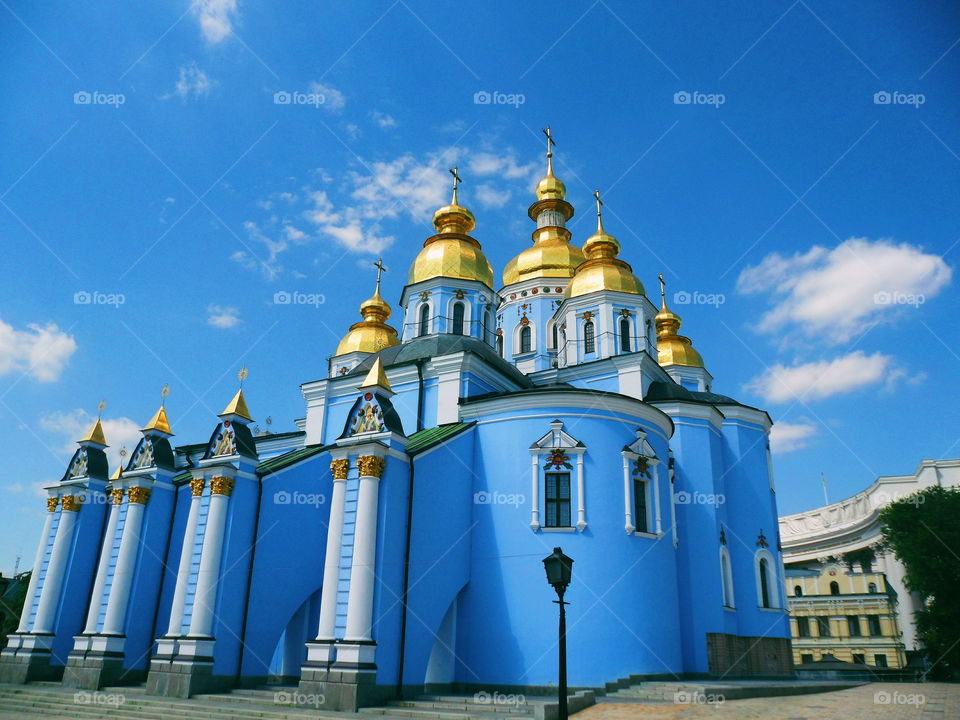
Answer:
(182, 477)
(288, 458)
(425, 439)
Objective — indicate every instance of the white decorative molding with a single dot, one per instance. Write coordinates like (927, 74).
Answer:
(557, 439)
(641, 447)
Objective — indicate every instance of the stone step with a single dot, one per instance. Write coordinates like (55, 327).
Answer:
(437, 714)
(465, 705)
(528, 699)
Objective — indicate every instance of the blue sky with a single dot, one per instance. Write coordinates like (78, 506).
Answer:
(147, 167)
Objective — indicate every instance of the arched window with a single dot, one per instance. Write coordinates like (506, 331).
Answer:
(424, 320)
(764, 583)
(625, 334)
(768, 590)
(457, 328)
(798, 591)
(589, 339)
(526, 335)
(553, 335)
(726, 578)
(834, 588)
(872, 587)
(487, 325)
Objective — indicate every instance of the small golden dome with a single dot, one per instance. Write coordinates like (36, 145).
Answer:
(603, 270)
(452, 252)
(673, 349)
(551, 188)
(371, 334)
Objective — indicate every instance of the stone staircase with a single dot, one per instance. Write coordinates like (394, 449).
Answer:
(480, 706)
(683, 692)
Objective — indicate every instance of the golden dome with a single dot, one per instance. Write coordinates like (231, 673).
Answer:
(452, 252)
(551, 188)
(603, 270)
(673, 349)
(372, 334)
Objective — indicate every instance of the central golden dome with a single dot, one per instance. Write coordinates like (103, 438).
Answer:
(372, 334)
(452, 252)
(603, 270)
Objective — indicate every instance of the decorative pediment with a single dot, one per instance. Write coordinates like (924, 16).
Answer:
(641, 448)
(87, 462)
(151, 452)
(230, 438)
(371, 413)
(78, 465)
(556, 441)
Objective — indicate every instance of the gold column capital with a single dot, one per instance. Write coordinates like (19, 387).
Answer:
(52, 503)
(196, 486)
(71, 503)
(339, 468)
(116, 496)
(370, 465)
(139, 495)
(221, 486)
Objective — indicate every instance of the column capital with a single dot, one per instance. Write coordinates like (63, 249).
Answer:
(116, 496)
(139, 495)
(72, 503)
(370, 465)
(52, 503)
(196, 486)
(221, 485)
(339, 468)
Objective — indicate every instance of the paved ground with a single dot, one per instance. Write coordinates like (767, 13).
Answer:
(876, 701)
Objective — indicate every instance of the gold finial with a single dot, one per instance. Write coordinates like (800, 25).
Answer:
(242, 375)
(663, 291)
(550, 143)
(380, 269)
(456, 181)
(596, 194)
(377, 377)
(164, 391)
(101, 406)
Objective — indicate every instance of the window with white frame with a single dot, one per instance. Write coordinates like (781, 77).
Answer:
(457, 326)
(766, 575)
(589, 338)
(558, 500)
(726, 577)
(641, 487)
(424, 325)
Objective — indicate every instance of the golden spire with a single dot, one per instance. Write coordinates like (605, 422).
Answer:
(376, 378)
(550, 187)
(95, 433)
(159, 420)
(371, 334)
(672, 348)
(603, 270)
(238, 406)
(454, 218)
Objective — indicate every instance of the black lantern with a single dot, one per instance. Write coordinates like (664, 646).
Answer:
(559, 569)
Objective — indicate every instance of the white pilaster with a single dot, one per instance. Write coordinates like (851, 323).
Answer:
(53, 579)
(175, 626)
(581, 498)
(208, 576)
(535, 493)
(100, 581)
(123, 573)
(35, 575)
(331, 564)
(627, 507)
(656, 497)
(362, 574)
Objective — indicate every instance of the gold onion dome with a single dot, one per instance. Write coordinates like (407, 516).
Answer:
(602, 269)
(452, 252)
(551, 255)
(372, 334)
(673, 349)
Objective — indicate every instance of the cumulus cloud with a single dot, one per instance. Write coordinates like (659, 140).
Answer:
(333, 99)
(192, 82)
(216, 18)
(383, 120)
(40, 351)
(69, 426)
(492, 197)
(837, 293)
(818, 380)
(223, 316)
(786, 437)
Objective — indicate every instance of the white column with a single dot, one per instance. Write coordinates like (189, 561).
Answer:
(53, 579)
(186, 555)
(628, 510)
(581, 498)
(331, 563)
(673, 511)
(656, 496)
(208, 576)
(113, 623)
(605, 344)
(362, 573)
(93, 614)
(37, 561)
(535, 493)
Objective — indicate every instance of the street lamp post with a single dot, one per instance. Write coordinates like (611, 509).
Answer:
(559, 569)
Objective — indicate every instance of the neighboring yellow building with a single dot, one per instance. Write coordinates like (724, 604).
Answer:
(849, 615)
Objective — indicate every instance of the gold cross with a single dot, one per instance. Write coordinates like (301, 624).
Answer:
(381, 268)
(456, 181)
(550, 143)
(663, 286)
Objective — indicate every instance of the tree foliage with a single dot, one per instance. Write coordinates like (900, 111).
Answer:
(923, 531)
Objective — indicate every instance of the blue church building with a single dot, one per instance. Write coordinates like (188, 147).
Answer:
(392, 544)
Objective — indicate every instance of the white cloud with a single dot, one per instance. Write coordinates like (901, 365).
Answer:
(333, 99)
(383, 120)
(505, 166)
(192, 81)
(223, 316)
(294, 234)
(817, 380)
(216, 18)
(72, 425)
(786, 437)
(492, 197)
(837, 293)
(353, 131)
(40, 351)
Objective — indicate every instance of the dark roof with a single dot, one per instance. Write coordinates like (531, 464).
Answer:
(426, 439)
(432, 346)
(287, 459)
(662, 391)
(197, 447)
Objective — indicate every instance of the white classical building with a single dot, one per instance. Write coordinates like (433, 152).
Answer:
(817, 537)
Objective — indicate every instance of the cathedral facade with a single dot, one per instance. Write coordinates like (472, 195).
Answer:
(394, 541)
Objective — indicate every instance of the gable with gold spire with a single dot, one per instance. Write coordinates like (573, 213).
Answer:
(370, 335)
